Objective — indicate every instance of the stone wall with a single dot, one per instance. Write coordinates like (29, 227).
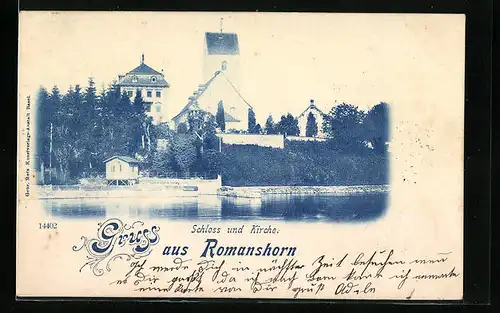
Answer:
(273, 141)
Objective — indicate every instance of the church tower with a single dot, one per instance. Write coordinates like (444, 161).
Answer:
(222, 53)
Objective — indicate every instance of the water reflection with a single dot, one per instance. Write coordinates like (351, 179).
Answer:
(353, 208)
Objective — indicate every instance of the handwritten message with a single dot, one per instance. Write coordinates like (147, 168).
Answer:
(231, 270)
(324, 276)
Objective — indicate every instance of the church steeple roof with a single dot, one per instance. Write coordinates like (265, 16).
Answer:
(222, 43)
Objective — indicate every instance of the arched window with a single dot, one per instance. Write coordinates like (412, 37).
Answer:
(120, 167)
(134, 79)
(224, 65)
(158, 107)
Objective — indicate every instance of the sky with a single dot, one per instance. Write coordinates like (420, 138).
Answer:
(286, 58)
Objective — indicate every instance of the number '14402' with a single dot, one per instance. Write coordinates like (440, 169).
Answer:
(49, 225)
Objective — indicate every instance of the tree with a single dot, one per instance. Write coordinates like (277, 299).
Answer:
(138, 103)
(196, 118)
(288, 125)
(251, 120)
(257, 129)
(343, 124)
(311, 126)
(90, 135)
(212, 162)
(270, 127)
(182, 128)
(376, 125)
(162, 162)
(202, 125)
(220, 116)
(208, 134)
(184, 152)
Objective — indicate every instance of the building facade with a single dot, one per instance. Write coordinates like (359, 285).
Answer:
(122, 170)
(151, 85)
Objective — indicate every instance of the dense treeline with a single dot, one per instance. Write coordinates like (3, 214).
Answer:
(301, 163)
(79, 129)
(355, 151)
(192, 151)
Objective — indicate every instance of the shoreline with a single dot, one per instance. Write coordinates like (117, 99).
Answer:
(150, 191)
(302, 190)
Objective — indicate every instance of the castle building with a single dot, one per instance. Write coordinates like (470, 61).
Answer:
(318, 115)
(152, 86)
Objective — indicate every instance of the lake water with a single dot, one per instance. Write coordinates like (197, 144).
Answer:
(353, 208)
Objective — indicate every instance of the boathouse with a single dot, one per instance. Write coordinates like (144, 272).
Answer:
(122, 170)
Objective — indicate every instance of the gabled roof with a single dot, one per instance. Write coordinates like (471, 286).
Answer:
(141, 76)
(144, 69)
(311, 107)
(193, 100)
(123, 158)
(222, 43)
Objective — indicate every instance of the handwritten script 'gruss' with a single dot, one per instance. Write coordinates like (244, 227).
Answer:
(348, 275)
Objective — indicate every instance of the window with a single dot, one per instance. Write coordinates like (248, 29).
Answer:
(224, 65)
(112, 168)
(148, 106)
(120, 167)
(149, 94)
(130, 93)
(158, 94)
(134, 79)
(158, 108)
(153, 79)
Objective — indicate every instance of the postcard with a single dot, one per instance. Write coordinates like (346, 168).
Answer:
(167, 155)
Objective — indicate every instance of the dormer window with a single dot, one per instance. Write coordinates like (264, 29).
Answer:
(153, 79)
(134, 79)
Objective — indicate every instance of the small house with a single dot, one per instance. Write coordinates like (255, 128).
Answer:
(122, 170)
(318, 116)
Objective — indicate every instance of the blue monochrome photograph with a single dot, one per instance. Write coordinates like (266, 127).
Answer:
(223, 127)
